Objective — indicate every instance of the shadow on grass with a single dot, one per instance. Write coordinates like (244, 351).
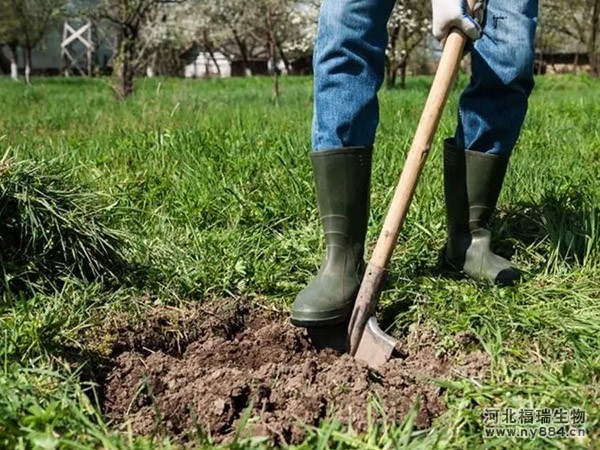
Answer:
(387, 315)
(93, 369)
(563, 226)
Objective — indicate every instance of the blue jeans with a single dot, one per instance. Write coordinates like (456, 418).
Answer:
(349, 63)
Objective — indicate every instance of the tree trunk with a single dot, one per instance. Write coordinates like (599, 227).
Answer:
(403, 66)
(14, 67)
(209, 48)
(404, 63)
(244, 53)
(390, 74)
(392, 66)
(593, 41)
(28, 64)
(124, 72)
(286, 61)
(206, 66)
(272, 56)
(151, 67)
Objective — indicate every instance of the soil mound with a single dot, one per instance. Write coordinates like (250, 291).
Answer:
(240, 358)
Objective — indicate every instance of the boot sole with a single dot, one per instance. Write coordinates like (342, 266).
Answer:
(499, 281)
(313, 322)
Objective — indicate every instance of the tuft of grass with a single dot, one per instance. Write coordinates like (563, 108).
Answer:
(53, 226)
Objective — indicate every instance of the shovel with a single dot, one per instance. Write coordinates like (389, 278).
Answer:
(367, 341)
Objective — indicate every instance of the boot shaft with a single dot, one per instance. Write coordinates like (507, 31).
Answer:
(472, 184)
(342, 179)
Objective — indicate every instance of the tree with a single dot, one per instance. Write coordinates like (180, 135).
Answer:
(26, 23)
(230, 20)
(269, 18)
(246, 29)
(408, 27)
(130, 18)
(577, 20)
(549, 35)
(173, 28)
(298, 36)
(9, 32)
(592, 41)
(291, 25)
(273, 11)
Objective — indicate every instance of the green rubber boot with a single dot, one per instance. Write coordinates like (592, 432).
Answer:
(472, 183)
(342, 179)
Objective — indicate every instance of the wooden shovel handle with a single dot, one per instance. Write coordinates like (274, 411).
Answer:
(415, 161)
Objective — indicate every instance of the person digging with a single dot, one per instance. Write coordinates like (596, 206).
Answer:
(348, 64)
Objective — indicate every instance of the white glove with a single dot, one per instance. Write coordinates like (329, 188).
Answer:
(454, 13)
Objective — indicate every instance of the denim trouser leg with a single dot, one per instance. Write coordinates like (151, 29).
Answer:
(493, 106)
(349, 59)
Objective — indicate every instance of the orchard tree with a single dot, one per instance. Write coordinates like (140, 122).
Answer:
(297, 32)
(174, 28)
(130, 18)
(294, 28)
(577, 20)
(269, 20)
(585, 25)
(247, 29)
(231, 19)
(582, 22)
(275, 11)
(550, 35)
(197, 28)
(283, 28)
(28, 22)
(9, 36)
(219, 26)
(408, 27)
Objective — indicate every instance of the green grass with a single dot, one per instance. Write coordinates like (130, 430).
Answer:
(212, 187)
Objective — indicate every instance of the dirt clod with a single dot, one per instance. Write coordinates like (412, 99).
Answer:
(244, 358)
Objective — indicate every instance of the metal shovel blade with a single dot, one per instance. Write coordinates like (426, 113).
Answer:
(375, 347)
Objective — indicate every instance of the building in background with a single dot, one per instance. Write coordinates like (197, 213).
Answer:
(200, 63)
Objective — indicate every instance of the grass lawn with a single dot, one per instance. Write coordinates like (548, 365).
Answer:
(210, 188)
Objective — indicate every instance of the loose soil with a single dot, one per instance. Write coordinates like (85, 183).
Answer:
(178, 372)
